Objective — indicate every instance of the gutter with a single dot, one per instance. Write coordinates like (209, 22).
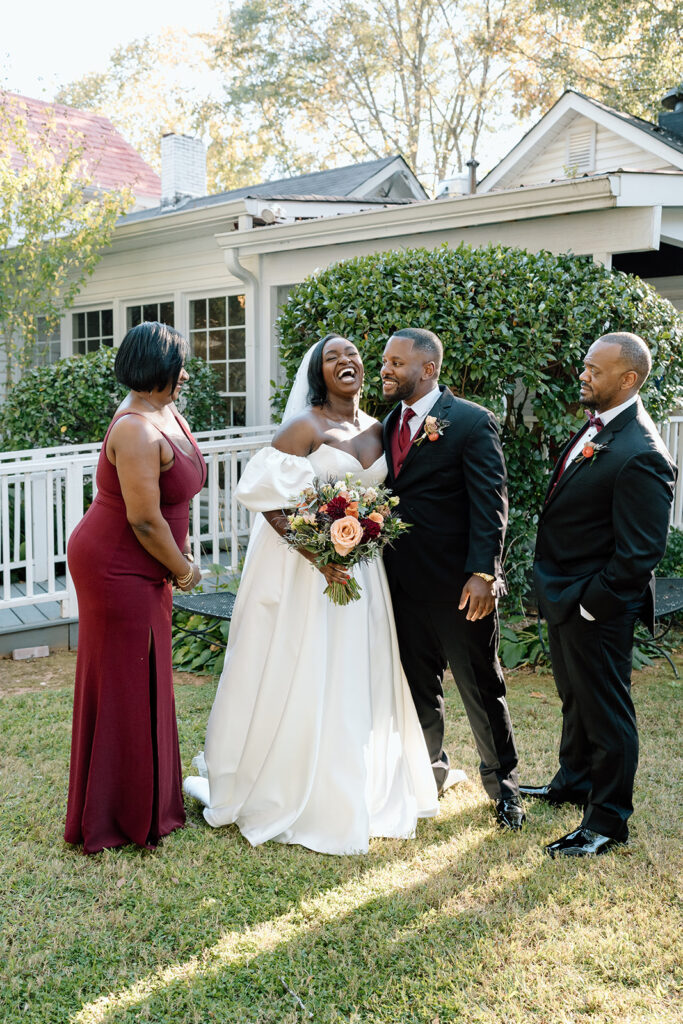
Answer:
(252, 288)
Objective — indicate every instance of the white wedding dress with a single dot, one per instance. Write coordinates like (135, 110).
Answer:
(313, 737)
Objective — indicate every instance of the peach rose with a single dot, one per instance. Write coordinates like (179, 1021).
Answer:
(345, 534)
(352, 509)
(376, 517)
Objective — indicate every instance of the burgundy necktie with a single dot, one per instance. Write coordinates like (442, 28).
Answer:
(404, 438)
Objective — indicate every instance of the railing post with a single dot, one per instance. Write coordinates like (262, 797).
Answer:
(39, 526)
(74, 514)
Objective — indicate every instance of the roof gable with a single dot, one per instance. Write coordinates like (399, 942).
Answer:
(110, 160)
(579, 135)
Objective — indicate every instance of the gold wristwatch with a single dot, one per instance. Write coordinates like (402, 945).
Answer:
(486, 576)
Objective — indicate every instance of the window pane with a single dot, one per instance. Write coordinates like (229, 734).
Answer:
(236, 304)
(150, 311)
(239, 412)
(93, 324)
(133, 317)
(79, 348)
(217, 346)
(237, 340)
(219, 375)
(166, 313)
(198, 344)
(79, 325)
(107, 322)
(107, 342)
(237, 377)
(217, 312)
(197, 313)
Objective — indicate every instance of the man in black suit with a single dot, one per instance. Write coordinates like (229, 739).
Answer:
(602, 531)
(446, 465)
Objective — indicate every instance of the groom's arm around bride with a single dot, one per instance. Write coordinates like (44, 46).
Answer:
(446, 465)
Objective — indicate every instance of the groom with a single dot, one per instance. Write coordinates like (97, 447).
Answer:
(446, 465)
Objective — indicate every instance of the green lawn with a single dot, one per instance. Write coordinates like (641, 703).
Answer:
(464, 924)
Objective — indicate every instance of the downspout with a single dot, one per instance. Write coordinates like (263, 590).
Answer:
(252, 311)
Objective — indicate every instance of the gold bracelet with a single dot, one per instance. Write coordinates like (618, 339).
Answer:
(182, 581)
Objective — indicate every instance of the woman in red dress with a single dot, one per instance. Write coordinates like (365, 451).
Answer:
(125, 778)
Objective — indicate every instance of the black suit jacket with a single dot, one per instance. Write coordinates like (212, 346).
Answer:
(453, 492)
(603, 528)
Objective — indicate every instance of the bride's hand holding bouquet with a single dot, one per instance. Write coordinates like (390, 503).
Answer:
(340, 524)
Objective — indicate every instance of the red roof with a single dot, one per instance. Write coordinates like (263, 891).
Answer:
(110, 160)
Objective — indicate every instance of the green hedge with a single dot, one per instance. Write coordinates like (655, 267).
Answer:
(515, 327)
(72, 402)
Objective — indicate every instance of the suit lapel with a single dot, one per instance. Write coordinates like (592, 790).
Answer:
(388, 427)
(605, 436)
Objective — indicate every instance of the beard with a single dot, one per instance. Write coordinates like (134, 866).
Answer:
(402, 391)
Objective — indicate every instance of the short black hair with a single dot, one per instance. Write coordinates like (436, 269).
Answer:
(634, 352)
(317, 388)
(150, 357)
(426, 341)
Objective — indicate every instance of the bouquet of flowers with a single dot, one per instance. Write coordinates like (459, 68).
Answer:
(346, 523)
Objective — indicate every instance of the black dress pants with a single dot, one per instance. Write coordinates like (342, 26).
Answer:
(592, 664)
(433, 634)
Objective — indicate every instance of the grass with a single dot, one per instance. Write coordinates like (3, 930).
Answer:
(463, 924)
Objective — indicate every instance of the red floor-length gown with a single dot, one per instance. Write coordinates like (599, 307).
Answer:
(125, 777)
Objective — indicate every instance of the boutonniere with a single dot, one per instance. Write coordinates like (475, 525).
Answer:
(589, 450)
(432, 429)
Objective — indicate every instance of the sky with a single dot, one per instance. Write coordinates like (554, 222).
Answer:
(45, 44)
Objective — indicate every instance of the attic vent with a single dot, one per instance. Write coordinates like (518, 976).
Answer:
(581, 151)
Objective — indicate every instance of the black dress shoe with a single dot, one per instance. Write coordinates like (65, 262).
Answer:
(582, 843)
(552, 796)
(510, 813)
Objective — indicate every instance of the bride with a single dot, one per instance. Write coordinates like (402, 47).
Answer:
(313, 737)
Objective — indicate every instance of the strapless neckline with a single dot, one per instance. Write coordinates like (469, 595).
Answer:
(344, 451)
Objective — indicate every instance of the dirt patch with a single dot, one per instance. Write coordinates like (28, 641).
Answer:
(58, 671)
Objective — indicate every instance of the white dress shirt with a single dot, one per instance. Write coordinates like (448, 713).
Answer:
(421, 408)
(606, 418)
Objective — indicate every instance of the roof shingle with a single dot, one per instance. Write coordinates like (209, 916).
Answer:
(110, 160)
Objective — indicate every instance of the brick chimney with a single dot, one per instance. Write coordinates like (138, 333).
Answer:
(183, 169)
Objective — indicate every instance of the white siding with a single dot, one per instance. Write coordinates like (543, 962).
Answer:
(612, 153)
(190, 263)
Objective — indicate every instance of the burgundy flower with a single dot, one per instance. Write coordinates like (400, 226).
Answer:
(371, 529)
(336, 508)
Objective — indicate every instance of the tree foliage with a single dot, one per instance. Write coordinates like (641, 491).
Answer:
(625, 54)
(53, 229)
(361, 77)
(166, 83)
(515, 327)
(72, 402)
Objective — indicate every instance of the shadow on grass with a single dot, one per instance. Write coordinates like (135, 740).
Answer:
(208, 929)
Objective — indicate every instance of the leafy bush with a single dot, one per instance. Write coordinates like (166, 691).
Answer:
(203, 654)
(515, 327)
(72, 402)
(672, 562)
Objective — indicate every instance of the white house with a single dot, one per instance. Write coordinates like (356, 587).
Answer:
(586, 178)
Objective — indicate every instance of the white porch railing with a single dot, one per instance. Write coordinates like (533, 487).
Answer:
(672, 436)
(43, 494)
